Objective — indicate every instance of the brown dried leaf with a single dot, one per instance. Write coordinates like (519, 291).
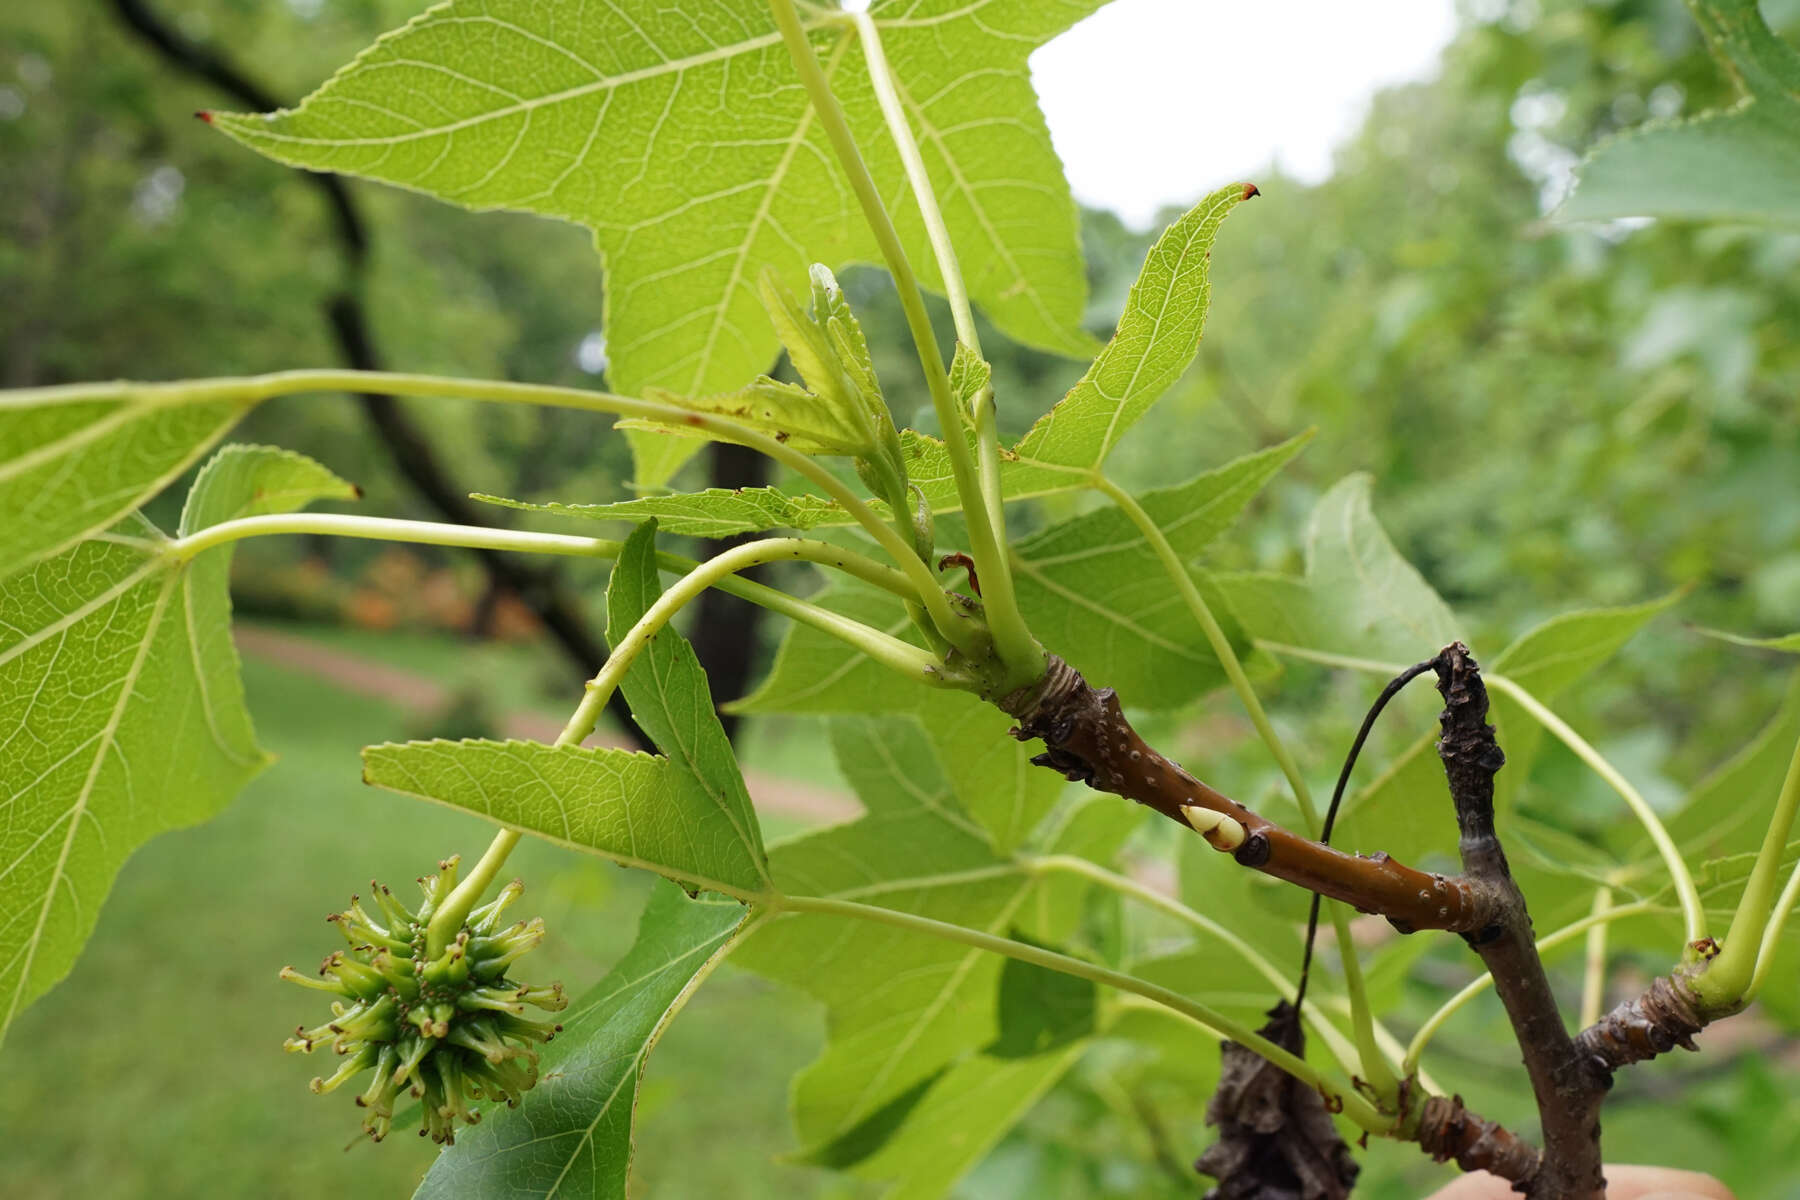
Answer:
(1276, 1139)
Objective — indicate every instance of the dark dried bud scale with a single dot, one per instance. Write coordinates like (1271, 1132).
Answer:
(449, 1029)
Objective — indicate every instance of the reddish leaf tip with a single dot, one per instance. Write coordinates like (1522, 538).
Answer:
(1250, 189)
(205, 115)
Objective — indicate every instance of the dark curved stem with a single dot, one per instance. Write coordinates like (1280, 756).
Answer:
(1337, 798)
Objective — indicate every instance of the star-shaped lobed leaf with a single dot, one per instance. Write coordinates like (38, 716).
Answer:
(682, 137)
(121, 711)
(902, 1007)
(1157, 339)
(71, 468)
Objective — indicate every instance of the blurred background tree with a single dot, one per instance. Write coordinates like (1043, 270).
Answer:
(1556, 417)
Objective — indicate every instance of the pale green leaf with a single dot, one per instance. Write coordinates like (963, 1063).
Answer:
(990, 772)
(572, 1135)
(1720, 881)
(970, 375)
(713, 513)
(669, 696)
(640, 810)
(1157, 338)
(684, 814)
(1257, 908)
(121, 711)
(1551, 656)
(960, 1118)
(69, 470)
(1041, 1010)
(1091, 825)
(784, 411)
(869, 1135)
(826, 346)
(816, 673)
(1359, 598)
(900, 1006)
(1214, 976)
(1728, 811)
(682, 137)
(1548, 659)
(1740, 164)
(1093, 590)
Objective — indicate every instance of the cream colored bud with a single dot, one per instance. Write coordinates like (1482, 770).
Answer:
(1221, 831)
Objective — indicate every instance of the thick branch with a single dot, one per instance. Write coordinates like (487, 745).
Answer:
(1568, 1089)
(1449, 1131)
(1087, 738)
(1666, 1015)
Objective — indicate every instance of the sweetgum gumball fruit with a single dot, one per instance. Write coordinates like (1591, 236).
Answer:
(449, 1029)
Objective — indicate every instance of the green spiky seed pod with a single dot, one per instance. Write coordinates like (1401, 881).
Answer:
(450, 1030)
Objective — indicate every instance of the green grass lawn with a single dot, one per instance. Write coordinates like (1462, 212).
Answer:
(156, 1068)
(534, 677)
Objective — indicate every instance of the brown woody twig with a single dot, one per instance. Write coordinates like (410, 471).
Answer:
(1087, 737)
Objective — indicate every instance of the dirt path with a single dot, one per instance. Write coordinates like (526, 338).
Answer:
(421, 694)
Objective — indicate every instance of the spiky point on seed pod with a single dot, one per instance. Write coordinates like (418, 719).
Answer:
(450, 1030)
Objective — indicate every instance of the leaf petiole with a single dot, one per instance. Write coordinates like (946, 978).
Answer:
(887, 95)
(450, 915)
(890, 652)
(1339, 1045)
(1734, 975)
(1354, 1106)
(1362, 1020)
(1693, 914)
(252, 389)
(1018, 652)
(886, 649)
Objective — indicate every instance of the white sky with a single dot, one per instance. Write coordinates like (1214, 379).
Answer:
(1155, 102)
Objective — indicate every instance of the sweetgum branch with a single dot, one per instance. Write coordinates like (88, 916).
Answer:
(1566, 1084)
(1088, 738)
